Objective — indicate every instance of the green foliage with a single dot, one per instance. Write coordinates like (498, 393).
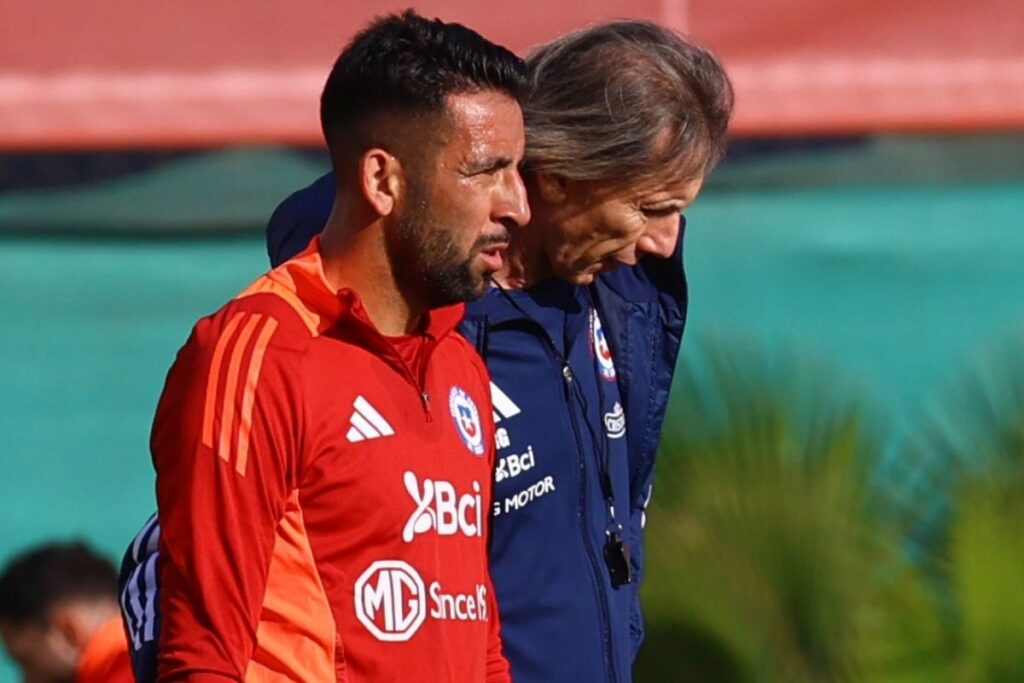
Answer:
(986, 566)
(977, 440)
(773, 556)
(768, 558)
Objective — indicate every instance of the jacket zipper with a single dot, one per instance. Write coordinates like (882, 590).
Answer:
(419, 384)
(425, 400)
(602, 597)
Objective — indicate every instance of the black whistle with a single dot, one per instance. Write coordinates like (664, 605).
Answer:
(616, 556)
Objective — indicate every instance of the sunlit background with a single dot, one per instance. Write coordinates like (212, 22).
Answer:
(839, 494)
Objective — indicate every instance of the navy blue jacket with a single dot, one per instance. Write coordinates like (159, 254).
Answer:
(580, 382)
(562, 619)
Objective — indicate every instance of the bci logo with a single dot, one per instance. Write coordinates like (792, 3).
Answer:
(513, 465)
(440, 508)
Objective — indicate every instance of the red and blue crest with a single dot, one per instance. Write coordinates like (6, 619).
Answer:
(602, 352)
(467, 420)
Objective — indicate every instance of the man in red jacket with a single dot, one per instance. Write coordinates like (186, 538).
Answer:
(324, 444)
(59, 618)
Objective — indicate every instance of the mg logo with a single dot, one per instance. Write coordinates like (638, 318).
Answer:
(391, 601)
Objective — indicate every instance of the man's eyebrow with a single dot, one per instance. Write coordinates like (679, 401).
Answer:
(668, 204)
(490, 163)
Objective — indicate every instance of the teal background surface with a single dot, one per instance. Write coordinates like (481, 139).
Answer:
(898, 280)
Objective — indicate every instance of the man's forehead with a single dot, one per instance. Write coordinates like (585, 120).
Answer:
(479, 105)
(486, 115)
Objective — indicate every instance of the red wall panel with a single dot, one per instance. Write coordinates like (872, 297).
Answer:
(118, 73)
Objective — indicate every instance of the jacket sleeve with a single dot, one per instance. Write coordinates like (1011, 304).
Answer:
(498, 670)
(661, 328)
(637, 519)
(223, 445)
(497, 665)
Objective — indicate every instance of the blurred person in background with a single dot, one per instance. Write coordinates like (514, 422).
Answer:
(59, 617)
(581, 332)
(298, 416)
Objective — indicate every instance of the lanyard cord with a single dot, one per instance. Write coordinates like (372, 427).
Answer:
(573, 388)
(606, 481)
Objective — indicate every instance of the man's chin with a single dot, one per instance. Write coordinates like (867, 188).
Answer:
(583, 275)
(466, 291)
(581, 278)
(588, 276)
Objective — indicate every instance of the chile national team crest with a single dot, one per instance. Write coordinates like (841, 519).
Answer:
(602, 352)
(467, 420)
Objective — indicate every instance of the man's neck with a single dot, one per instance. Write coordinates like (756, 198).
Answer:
(356, 259)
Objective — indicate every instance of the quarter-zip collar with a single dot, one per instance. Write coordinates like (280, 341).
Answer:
(341, 313)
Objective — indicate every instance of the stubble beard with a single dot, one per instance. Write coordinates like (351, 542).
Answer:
(426, 261)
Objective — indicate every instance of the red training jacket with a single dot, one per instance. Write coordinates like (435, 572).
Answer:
(324, 510)
(105, 657)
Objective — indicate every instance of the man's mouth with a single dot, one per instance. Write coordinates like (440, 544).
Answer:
(493, 255)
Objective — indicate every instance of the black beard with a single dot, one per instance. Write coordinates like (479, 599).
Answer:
(427, 265)
(441, 275)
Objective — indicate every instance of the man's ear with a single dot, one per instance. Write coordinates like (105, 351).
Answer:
(381, 179)
(552, 188)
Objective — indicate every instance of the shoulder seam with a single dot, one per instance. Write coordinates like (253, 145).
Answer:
(268, 285)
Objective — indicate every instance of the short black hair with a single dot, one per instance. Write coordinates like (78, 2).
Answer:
(41, 578)
(408, 64)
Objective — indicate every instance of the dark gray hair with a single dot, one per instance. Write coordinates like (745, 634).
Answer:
(625, 102)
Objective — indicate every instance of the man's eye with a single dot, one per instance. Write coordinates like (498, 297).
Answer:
(489, 168)
(661, 211)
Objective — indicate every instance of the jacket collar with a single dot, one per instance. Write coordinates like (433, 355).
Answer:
(549, 296)
(341, 313)
(553, 308)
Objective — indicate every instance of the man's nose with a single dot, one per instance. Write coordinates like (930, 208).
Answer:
(661, 237)
(513, 204)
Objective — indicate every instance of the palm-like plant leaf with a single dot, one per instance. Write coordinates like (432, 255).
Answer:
(766, 559)
(975, 444)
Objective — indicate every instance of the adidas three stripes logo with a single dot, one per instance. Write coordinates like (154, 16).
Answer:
(366, 422)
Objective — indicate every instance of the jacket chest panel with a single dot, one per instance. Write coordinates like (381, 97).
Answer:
(398, 470)
(546, 442)
(537, 454)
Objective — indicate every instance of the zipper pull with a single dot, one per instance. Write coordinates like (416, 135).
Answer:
(425, 398)
(567, 374)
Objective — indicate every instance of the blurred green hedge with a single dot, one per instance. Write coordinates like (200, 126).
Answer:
(773, 558)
